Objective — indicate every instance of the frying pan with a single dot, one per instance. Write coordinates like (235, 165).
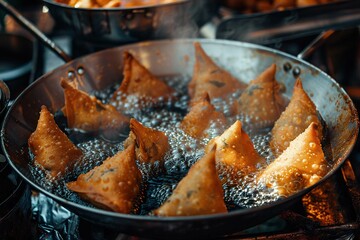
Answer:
(125, 25)
(167, 57)
(100, 70)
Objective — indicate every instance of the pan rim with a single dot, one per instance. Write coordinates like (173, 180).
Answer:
(229, 214)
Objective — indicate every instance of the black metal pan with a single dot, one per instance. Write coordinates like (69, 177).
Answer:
(100, 70)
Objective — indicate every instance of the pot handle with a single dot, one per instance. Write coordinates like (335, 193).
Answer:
(34, 30)
(315, 44)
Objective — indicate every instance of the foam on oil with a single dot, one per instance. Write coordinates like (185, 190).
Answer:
(184, 152)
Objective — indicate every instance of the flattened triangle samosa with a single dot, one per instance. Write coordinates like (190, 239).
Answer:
(198, 193)
(297, 116)
(138, 82)
(301, 165)
(53, 150)
(202, 115)
(235, 152)
(89, 114)
(114, 185)
(209, 77)
(151, 144)
(261, 101)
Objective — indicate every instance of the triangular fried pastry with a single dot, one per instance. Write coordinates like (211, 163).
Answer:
(235, 152)
(53, 150)
(198, 193)
(210, 78)
(140, 83)
(201, 117)
(114, 185)
(297, 116)
(90, 114)
(261, 101)
(151, 144)
(301, 165)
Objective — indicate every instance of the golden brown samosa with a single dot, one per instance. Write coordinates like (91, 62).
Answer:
(114, 185)
(89, 114)
(198, 193)
(202, 115)
(52, 149)
(235, 152)
(301, 165)
(261, 101)
(151, 144)
(210, 78)
(140, 83)
(297, 116)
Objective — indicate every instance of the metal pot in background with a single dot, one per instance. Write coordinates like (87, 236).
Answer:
(116, 26)
(17, 60)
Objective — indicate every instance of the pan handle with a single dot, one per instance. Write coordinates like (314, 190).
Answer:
(315, 44)
(34, 30)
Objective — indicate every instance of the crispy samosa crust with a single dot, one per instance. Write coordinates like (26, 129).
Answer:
(301, 165)
(201, 116)
(114, 185)
(198, 193)
(139, 82)
(210, 78)
(151, 144)
(53, 150)
(235, 152)
(297, 116)
(89, 114)
(261, 101)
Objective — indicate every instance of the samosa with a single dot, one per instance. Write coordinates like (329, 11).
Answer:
(140, 84)
(114, 185)
(297, 116)
(235, 153)
(52, 149)
(201, 117)
(198, 193)
(151, 144)
(301, 165)
(262, 101)
(209, 77)
(90, 114)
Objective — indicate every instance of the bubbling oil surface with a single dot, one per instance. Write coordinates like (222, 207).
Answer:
(184, 152)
